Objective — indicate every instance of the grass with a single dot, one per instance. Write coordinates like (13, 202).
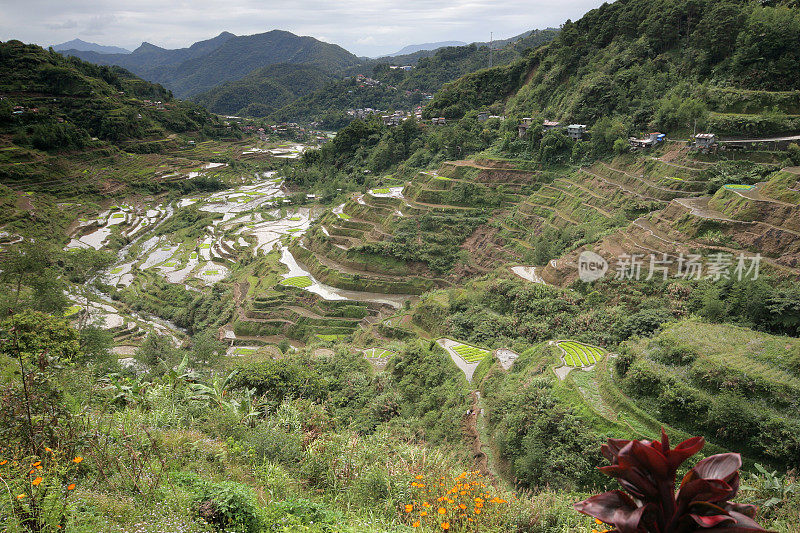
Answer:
(118, 215)
(295, 219)
(301, 282)
(471, 354)
(737, 186)
(205, 246)
(293, 230)
(324, 337)
(344, 216)
(244, 351)
(578, 354)
(211, 273)
(381, 191)
(193, 255)
(374, 353)
(72, 310)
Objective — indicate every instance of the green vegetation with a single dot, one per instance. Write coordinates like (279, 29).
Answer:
(579, 354)
(301, 282)
(263, 90)
(471, 354)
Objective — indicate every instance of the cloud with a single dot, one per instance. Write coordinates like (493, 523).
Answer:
(97, 25)
(365, 28)
(66, 25)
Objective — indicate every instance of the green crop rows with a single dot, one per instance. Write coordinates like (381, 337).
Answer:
(579, 354)
(301, 282)
(381, 191)
(470, 354)
(738, 186)
(344, 216)
(330, 337)
(244, 351)
(211, 273)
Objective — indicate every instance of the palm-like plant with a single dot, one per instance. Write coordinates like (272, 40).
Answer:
(646, 471)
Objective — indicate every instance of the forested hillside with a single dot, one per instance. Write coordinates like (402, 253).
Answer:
(264, 90)
(649, 62)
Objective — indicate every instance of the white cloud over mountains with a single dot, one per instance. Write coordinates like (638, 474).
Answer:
(365, 27)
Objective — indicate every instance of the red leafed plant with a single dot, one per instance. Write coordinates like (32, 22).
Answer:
(646, 471)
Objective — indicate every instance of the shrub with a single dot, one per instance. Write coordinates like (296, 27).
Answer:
(228, 506)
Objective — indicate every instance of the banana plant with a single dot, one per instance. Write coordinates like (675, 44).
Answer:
(250, 407)
(175, 376)
(214, 394)
(128, 391)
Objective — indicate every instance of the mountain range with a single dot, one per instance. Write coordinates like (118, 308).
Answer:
(226, 57)
(410, 49)
(257, 75)
(77, 44)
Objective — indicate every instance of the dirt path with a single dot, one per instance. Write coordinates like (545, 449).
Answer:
(473, 437)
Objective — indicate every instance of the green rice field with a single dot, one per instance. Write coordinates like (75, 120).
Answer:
(380, 191)
(323, 337)
(344, 216)
(471, 354)
(374, 353)
(211, 273)
(577, 354)
(205, 246)
(244, 351)
(301, 282)
(738, 187)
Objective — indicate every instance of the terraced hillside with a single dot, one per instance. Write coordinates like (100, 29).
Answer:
(669, 211)
(421, 233)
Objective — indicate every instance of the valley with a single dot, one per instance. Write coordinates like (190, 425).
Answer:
(281, 306)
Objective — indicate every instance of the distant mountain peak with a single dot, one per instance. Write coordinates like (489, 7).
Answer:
(410, 49)
(83, 46)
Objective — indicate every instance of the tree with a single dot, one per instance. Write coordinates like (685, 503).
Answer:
(207, 350)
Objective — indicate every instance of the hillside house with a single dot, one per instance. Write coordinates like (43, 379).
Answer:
(704, 141)
(648, 141)
(440, 121)
(576, 132)
(524, 126)
(483, 116)
(549, 125)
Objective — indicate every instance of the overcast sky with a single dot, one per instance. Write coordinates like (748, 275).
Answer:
(364, 27)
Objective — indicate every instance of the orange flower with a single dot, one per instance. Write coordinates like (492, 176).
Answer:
(477, 511)
(415, 524)
(48, 449)
(445, 525)
(409, 508)
(423, 513)
(71, 486)
(418, 477)
(3, 462)
(442, 510)
(77, 459)
(426, 504)
(22, 496)
(462, 506)
(36, 481)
